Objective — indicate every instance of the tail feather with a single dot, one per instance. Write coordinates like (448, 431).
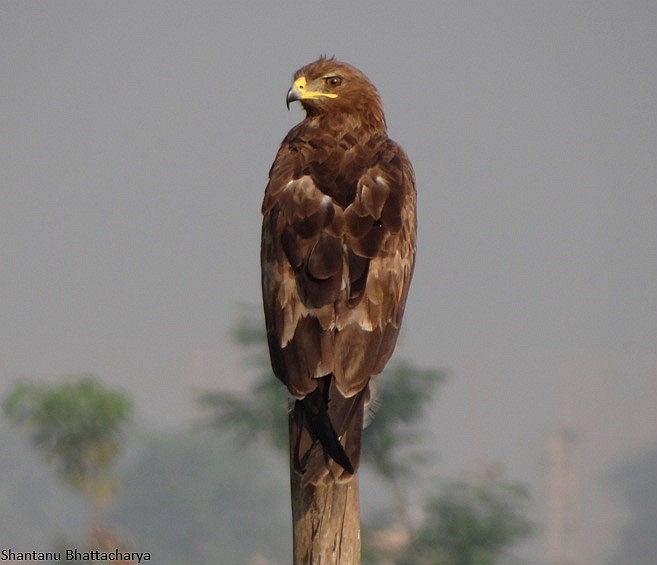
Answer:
(326, 434)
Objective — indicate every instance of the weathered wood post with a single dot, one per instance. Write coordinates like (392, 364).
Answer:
(325, 522)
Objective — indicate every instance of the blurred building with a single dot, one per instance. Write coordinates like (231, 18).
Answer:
(563, 499)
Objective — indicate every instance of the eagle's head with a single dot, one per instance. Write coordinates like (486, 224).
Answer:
(329, 86)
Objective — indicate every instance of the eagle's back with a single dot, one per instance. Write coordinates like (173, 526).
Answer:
(338, 248)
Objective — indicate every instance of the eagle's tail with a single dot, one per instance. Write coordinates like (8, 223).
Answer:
(326, 433)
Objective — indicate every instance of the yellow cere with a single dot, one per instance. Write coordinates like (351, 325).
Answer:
(300, 85)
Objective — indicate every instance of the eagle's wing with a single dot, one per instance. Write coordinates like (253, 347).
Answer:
(335, 276)
(335, 279)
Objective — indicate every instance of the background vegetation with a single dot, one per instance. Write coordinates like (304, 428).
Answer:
(220, 487)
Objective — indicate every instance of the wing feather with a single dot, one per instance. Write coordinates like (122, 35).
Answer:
(336, 277)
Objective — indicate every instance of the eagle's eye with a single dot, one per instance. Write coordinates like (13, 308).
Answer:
(333, 81)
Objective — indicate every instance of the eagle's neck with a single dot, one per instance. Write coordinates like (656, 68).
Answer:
(363, 117)
(342, 139)
(349, 129)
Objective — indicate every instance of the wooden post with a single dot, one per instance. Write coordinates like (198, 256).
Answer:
(325, 522)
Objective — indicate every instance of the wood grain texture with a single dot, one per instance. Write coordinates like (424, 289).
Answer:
(325, 521)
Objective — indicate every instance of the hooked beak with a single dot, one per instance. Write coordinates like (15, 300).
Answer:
(292, 96)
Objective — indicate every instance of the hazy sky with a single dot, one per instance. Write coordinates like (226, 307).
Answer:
(136, 141)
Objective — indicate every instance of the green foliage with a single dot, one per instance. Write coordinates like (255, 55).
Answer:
(77, 425)
(471, 522)
(402, 393)
(467, 522)
(260, 413)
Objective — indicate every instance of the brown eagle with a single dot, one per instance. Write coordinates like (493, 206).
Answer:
(337, 256)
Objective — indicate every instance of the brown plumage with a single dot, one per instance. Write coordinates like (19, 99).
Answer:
(338, 248)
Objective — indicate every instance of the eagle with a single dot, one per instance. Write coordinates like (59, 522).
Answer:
(337, 256)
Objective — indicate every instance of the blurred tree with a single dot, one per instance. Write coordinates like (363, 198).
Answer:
(259, 413)
(469, 522)
(78, 426)
(391, 440)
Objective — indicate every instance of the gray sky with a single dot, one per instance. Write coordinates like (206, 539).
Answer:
(136, 140)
